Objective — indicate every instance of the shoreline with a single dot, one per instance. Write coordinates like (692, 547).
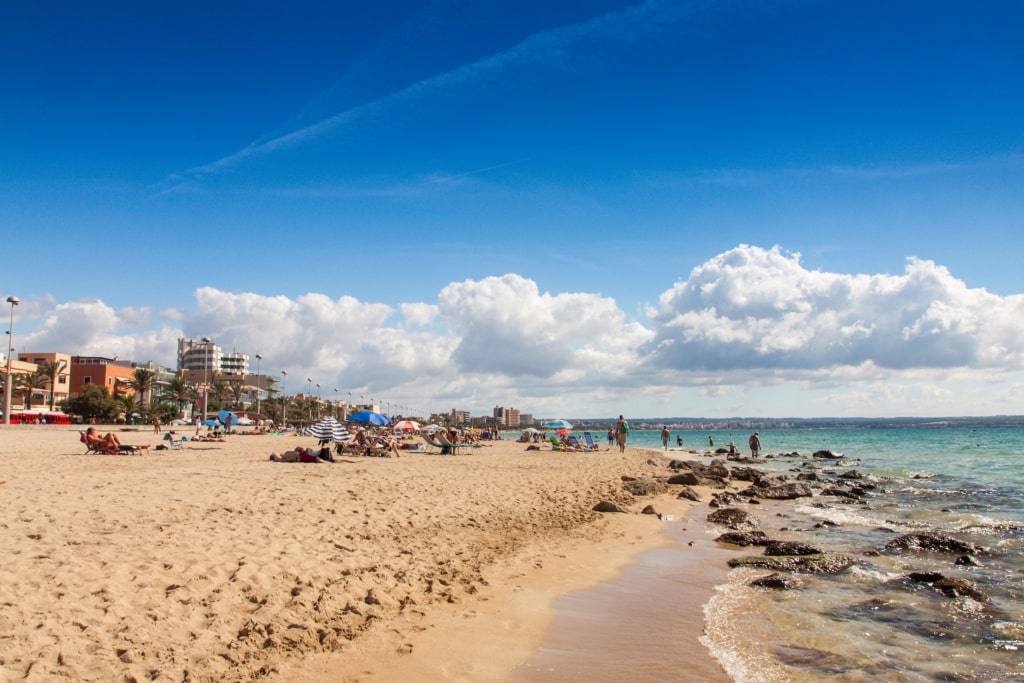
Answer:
(213, 563)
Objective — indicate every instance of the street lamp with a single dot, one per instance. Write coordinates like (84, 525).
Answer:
(8, 384)
(309, 398)
(258, 359)
(206, 365)
(284, 398)
(318, 401)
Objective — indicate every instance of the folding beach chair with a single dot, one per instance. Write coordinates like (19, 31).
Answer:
(589, 440)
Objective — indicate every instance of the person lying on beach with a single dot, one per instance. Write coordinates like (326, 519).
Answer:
(108, 441)
(295, 455)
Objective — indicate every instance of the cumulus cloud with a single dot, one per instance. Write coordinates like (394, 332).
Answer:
(507, 326)
(746, 321)
(759, 309)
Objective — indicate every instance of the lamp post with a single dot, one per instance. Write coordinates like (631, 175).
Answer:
(258, 359)
(206, 365)
(309, 398)
(8, 384)
(284, 398)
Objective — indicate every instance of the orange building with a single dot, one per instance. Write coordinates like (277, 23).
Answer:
(111, 373)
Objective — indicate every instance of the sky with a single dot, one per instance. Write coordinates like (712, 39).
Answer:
(576, 209)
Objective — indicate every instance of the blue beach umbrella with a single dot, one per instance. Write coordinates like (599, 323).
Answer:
(211, 422)
(227, 417)
(557, 424)
(368, 417)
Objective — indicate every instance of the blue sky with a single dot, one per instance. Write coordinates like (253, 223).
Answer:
(575, 209)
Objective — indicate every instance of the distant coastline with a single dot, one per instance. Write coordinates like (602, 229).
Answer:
(723, 424)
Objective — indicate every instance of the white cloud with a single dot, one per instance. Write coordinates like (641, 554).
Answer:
(747, 329)
(759, 309)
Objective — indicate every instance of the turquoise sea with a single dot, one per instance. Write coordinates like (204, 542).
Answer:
(871, 622)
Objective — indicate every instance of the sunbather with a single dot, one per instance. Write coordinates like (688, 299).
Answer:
(108, 441)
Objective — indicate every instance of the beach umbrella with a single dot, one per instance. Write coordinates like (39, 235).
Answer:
(211, 422)
(531, 430)
(227, 417)
(368, 417)
(433, 428)
(557, 424)
(406, 426)
(328, 428)
(562, 432)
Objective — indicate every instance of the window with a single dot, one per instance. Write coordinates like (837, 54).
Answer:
(87, 380)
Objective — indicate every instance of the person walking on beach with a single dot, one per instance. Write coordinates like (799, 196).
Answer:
(755, 444)
(664, 437)
(621, 433)
(156, 425)
(611, 436)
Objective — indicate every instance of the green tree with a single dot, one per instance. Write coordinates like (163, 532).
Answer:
(181, 392)
(142, 381)
(220, 391)
(95, 402)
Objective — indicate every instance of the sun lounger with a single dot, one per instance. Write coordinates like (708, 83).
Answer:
(589, 440)
(453, 448)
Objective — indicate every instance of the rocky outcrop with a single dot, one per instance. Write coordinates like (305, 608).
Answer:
(734, 518)
(744, 538)
(776, 581)
(784, 491)
(807, 564)
(933, 542)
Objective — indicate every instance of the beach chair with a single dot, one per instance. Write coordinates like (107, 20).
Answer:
(453, 448)
(588, 439)
(96, 449)
(432, 443)
(171, 443)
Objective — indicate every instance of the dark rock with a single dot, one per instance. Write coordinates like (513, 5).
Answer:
(746, 474)
(649, 510)
(685, 478)
(807, 564)
(787, 491)
(726, 499)
(851, 474)
(932, 543)
(808, 476)
(925, 577)
(829, 455)
(734, 518)
(644, 487)
(839, 493)
(955, 588)
(744, 538)
(689, 494)
(967, 561)
(776, 581)
(607, 506)
(790, 548)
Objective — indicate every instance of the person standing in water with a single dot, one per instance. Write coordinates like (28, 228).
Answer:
(664, 437)
(755, 444)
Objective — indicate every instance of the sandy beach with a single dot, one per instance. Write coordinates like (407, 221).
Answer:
(213, 563)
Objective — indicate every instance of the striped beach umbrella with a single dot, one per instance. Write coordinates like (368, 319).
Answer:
(328, 428)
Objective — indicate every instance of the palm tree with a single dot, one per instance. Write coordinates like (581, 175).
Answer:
(27, 383)
(53, 370)
(142, 382)
(181, 392)
(236, 391)
(219, 390)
